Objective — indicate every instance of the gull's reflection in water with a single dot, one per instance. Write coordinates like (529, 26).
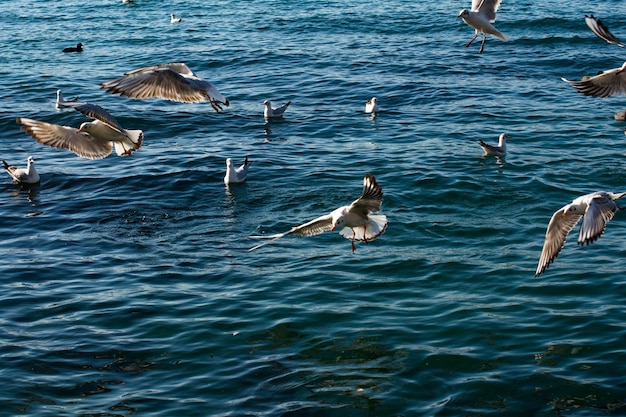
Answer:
(31, 192)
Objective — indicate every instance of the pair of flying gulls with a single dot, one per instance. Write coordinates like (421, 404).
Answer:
(96, 138)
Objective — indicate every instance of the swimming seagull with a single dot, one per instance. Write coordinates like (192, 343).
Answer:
(275, 112)
(481, 17)
(356, 219)
(174, 19)
(174, 81)
(595, 208)
(78, 48)
(605, 84)
(61, 102)
(371, 106)
(234, 175)
(499, 150)
(28, 175)
(92, 140)
(602, 31)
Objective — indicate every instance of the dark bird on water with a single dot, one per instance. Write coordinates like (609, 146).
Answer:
(78, 48)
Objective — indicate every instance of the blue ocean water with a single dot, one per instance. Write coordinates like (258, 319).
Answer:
(127, 287)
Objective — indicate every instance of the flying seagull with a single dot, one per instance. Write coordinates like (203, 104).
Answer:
(481, 17)
(602, 31)
(356, 219)
(173, 81)
(595, 208)
(605, 84)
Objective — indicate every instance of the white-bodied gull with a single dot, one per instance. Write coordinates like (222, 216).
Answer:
(174, 19)
(359, 225)
(481, 17)
(371, 106)
(273, 112)
(497, 150)
(235, 175)
(28, 175)
(61, 102)
(605, 84)
(595, 208)
(92, 140)
(602, 31)
(174, 81)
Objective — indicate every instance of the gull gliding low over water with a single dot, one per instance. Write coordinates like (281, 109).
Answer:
(481, 17)
(497, 150)
(356, 219)
(28, 175)
(174, 81)
(92, 140)
(605, 84)
(595, 208)
(602, 31)
(235, 175)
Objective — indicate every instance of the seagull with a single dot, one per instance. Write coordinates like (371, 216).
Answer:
(92, 140)
(602, 31)
(605, 84)
(481, 17)
(234, 175)
(62, 103)
(595, 208)
(174, 19)
(28, 175)
(174, 81)
(275, 112)
(371, 106)
(499, 150)
(78, 48)
(356, 219)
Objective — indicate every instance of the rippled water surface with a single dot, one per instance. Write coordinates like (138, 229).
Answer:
(127, 287)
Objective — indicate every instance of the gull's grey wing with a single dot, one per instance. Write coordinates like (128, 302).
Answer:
(489, 148)
(314, 227)
(371, 198)
(65, 137)
(601, 209)
(178, 67)
(602, 31)
(558, 229)
(605, 84)
(487, 7)
(96, 112)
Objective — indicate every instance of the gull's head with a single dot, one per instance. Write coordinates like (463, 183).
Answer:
(30, 160)
(266, 103)
(569, 209)
(337, 221)
(86, 127)
(374, 100)
(229, 162)
(463, 13)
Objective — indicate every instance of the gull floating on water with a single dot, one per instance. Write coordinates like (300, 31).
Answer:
(61, 102)
(78, 48)
(605, 84)
(499, 150)
(173, 81)
(234, 175)
(595, 208)
(371, 106)
(356, 219)
(602, 31)
(28, 175)
(481, 17)
(92, 140)
(270, 113)
(174, 19)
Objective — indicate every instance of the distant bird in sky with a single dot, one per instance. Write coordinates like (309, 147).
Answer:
(481, 17)
(274, 112)
(28, 175)
(602, 31)
(174, 19)
(78, 48)
(92, 140)
(371, 106)
(235, 175)
(174, 81)
(595, 208)
(497, 150)
(606, 83)
(359, 225)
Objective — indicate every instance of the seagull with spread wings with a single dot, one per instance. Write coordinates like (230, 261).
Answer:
(481, 17)
(595, 208)
(602, 31)
(359, 225)
(174, 81)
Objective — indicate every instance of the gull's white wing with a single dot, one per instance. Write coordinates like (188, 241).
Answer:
(601, 209)
(314, 227)
(602, 31)
(65, 137)
(371, 198)
(488, 8)
(605, 84)
(558, 229)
